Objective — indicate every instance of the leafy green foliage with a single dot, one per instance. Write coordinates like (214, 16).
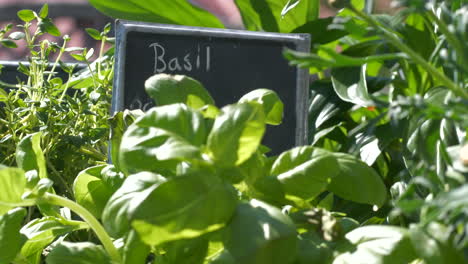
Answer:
(79, 253)
(275, 235)
(192, 184)
(236, 133)
(12, 184)
(64, 120)
(158, 11)
(10, 238)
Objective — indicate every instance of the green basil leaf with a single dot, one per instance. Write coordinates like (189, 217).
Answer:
(29, 155)
(134, 251)
(276, 15)
(170, 89)
(12, 187)
(378, 244)
(41, 232)
(78, 253)
(160, 139)
(91, 191)
(236, 134)
(184, 207)
(305, 172)
(271, 103)
(10, 238)
(261, 234)
(123, 203)
(357, 182)
(160, 11)
(191, 251)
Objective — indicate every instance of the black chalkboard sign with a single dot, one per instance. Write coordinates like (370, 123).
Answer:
(229, 63)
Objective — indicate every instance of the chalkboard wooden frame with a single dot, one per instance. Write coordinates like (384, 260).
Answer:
(300, 41)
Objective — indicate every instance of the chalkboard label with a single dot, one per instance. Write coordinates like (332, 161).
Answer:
(229, 63)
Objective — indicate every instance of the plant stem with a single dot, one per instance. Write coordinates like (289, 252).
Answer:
(62, 50)
(88, 218)
(395, 41)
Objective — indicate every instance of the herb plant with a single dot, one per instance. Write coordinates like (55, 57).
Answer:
(191, 184)
(66, 116)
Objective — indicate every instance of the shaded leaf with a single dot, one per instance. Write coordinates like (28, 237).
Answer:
(260, 234)
(357, 182)
(10, 238)
(78, 253)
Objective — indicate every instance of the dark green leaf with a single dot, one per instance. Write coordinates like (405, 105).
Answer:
(276, 15)
(170, 89)
(192, 251)
(8, 43)
(121, 206)
(91, 191)
(77, 253)
(305, 172)
(46, 26)
(271, 103)
(10, 238)
(236, 133)
(29, 155)
(134, 251)
(161, 138)
(357, 182)
(26, 15)
(188, 206)
(320, 31)
(260, 234)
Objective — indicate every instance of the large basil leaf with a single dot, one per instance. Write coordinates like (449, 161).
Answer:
(41, 232)
(123, 203)
(191, 251)
(161, 11)
(12, 187)
(379, 245)
(271, 103)
(306, 171)
(90, 190)
(277, 15)
(78, 253)
(184, 207)
(261, 234)
(161, 138)
(29, 155)
(170, 89)
(357, 182)
(134, 251)
(236, 133)
(11, 239)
